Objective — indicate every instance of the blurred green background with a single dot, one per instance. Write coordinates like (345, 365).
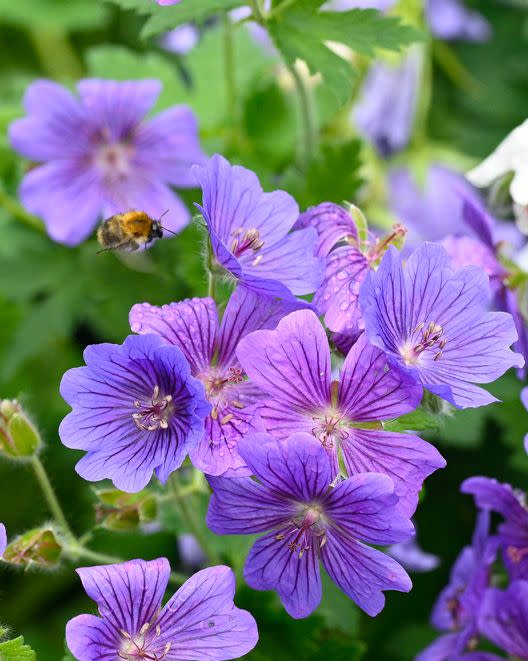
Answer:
(55, 300)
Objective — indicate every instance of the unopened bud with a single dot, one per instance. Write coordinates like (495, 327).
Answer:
(117, 510)
(360, 220)
(18, 436)
(35, 547)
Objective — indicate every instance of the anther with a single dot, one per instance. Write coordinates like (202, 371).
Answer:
(227, 418)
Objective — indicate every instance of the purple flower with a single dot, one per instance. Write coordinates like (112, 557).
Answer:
(346, 5)
(200, 621)
(457, 608)
(449, 20)
(412, 557)
(100, 156)
(524, 400)
(332, 224)
(181, 40)
(249, 232)
(165, 3)
(136, 409)
(310, 521)
(504, 618)
(292, 366)
(209, 346)
(433, 323)
(513, 531)
(386, 109)
(3, 539)
(191, 553)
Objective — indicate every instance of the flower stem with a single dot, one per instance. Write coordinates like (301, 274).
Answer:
(229, 70)
(17, 211)
(454, 69)
(211, 284)
(49, 495)
(188, 518)
(308, 140)
(56, 53)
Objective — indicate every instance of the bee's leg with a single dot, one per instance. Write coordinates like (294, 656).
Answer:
(129, 244)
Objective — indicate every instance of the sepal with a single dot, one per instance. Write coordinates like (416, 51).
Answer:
(38, 547)
(117, 510)
(19, 438)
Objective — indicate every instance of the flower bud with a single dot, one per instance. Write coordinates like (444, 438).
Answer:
(117, 510)
(35, 547)
(18, 436)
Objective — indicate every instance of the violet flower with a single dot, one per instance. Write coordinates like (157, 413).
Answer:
(385, 111)
(100, 156)
(136, 409)
(457, 608)
(450, 20)
(199, 622)
(434, 324)
(181, 40)
(513, 531)
(209, 346)
(250, 232)
(504, 618)
(412, 557)
(3, 539)
(311, 520)
(292, 366)
(167, 2)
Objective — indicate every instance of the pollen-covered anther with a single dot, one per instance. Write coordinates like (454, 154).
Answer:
(154, 414)
(431, 338)
(245, 241)
(236, 375)
(516, 554)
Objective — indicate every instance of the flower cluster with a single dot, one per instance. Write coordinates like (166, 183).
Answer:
(470, 608)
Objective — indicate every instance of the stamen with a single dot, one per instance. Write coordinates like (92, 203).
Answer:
(227, 418)
(250, 240)
(155, 414)
(431, 338)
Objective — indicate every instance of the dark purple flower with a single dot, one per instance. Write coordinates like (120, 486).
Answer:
(136, 409)
(250, 232)
(100, 156)
(513, 531)
(450, 20)
(434, 324)
(457, 608)
(209, 346)
(3, 539)
(199, 622)
(386, 109)
(310, 521)
(292, 366)
(504, 618)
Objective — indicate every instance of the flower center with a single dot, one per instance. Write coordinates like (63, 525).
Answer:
(154, 414)
(246, 241)
(114, 160)
(136, 647)
(430, 338)
(306, 527)
(329, 429)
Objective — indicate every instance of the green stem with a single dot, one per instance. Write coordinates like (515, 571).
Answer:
(278, 10)
(449, 62)
(55, 52)
(17, 211)
(49, 495)
(229, 70)
(211, 285)
(189, 520)
(308, 141)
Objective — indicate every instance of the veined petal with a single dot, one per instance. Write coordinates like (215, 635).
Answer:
(291, 363)
(442, 649)
(271, 565)
(201, 621)
(332, 223)
(362, 572)
(222, 253)
(280, 420)
(91, 639)
(128, 595)
(503, 618)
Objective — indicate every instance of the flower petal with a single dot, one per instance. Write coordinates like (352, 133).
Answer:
(91, 639)
(504, 616)
(332, 223)
(271, 565)
(291, 363)
(128, 595)
(3, 539)
(201, 621)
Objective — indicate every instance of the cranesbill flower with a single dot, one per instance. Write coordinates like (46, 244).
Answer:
(433, 323)
(292, 366)
(136, 409)
(412, 557)
(513, 531)
(504, 618)
(100, 156)
(524, 400)
(310, 521)
(457, 608)
(250, 232)
(182, 39)
(209, 346)
(199, 622)
(3, 539)
(385, 112)
(450, 20)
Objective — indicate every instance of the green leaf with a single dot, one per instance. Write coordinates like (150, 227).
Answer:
(16, 650)
(301, 32)
(65, 14)
(419, 420)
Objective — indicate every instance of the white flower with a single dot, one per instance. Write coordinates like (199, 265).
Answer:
(510, 156)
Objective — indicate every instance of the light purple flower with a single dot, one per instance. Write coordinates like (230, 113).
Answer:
(412, 557)
(458, 605)
(199, 622)
(524, 400)
(346, 5)
(250, 232)
(504, 618)
(311, 521)
(191, 553)
(450, 20)
(385, 112)
(167, 2)
(292, 366)
(3, 539)
(100, 156)
(513, 531)
(136, 409)
(181, 40)
(434, 324)
(209, 346)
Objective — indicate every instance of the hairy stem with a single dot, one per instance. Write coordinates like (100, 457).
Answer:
(49, 495)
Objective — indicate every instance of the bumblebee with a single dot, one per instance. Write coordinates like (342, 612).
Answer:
(129, 231)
